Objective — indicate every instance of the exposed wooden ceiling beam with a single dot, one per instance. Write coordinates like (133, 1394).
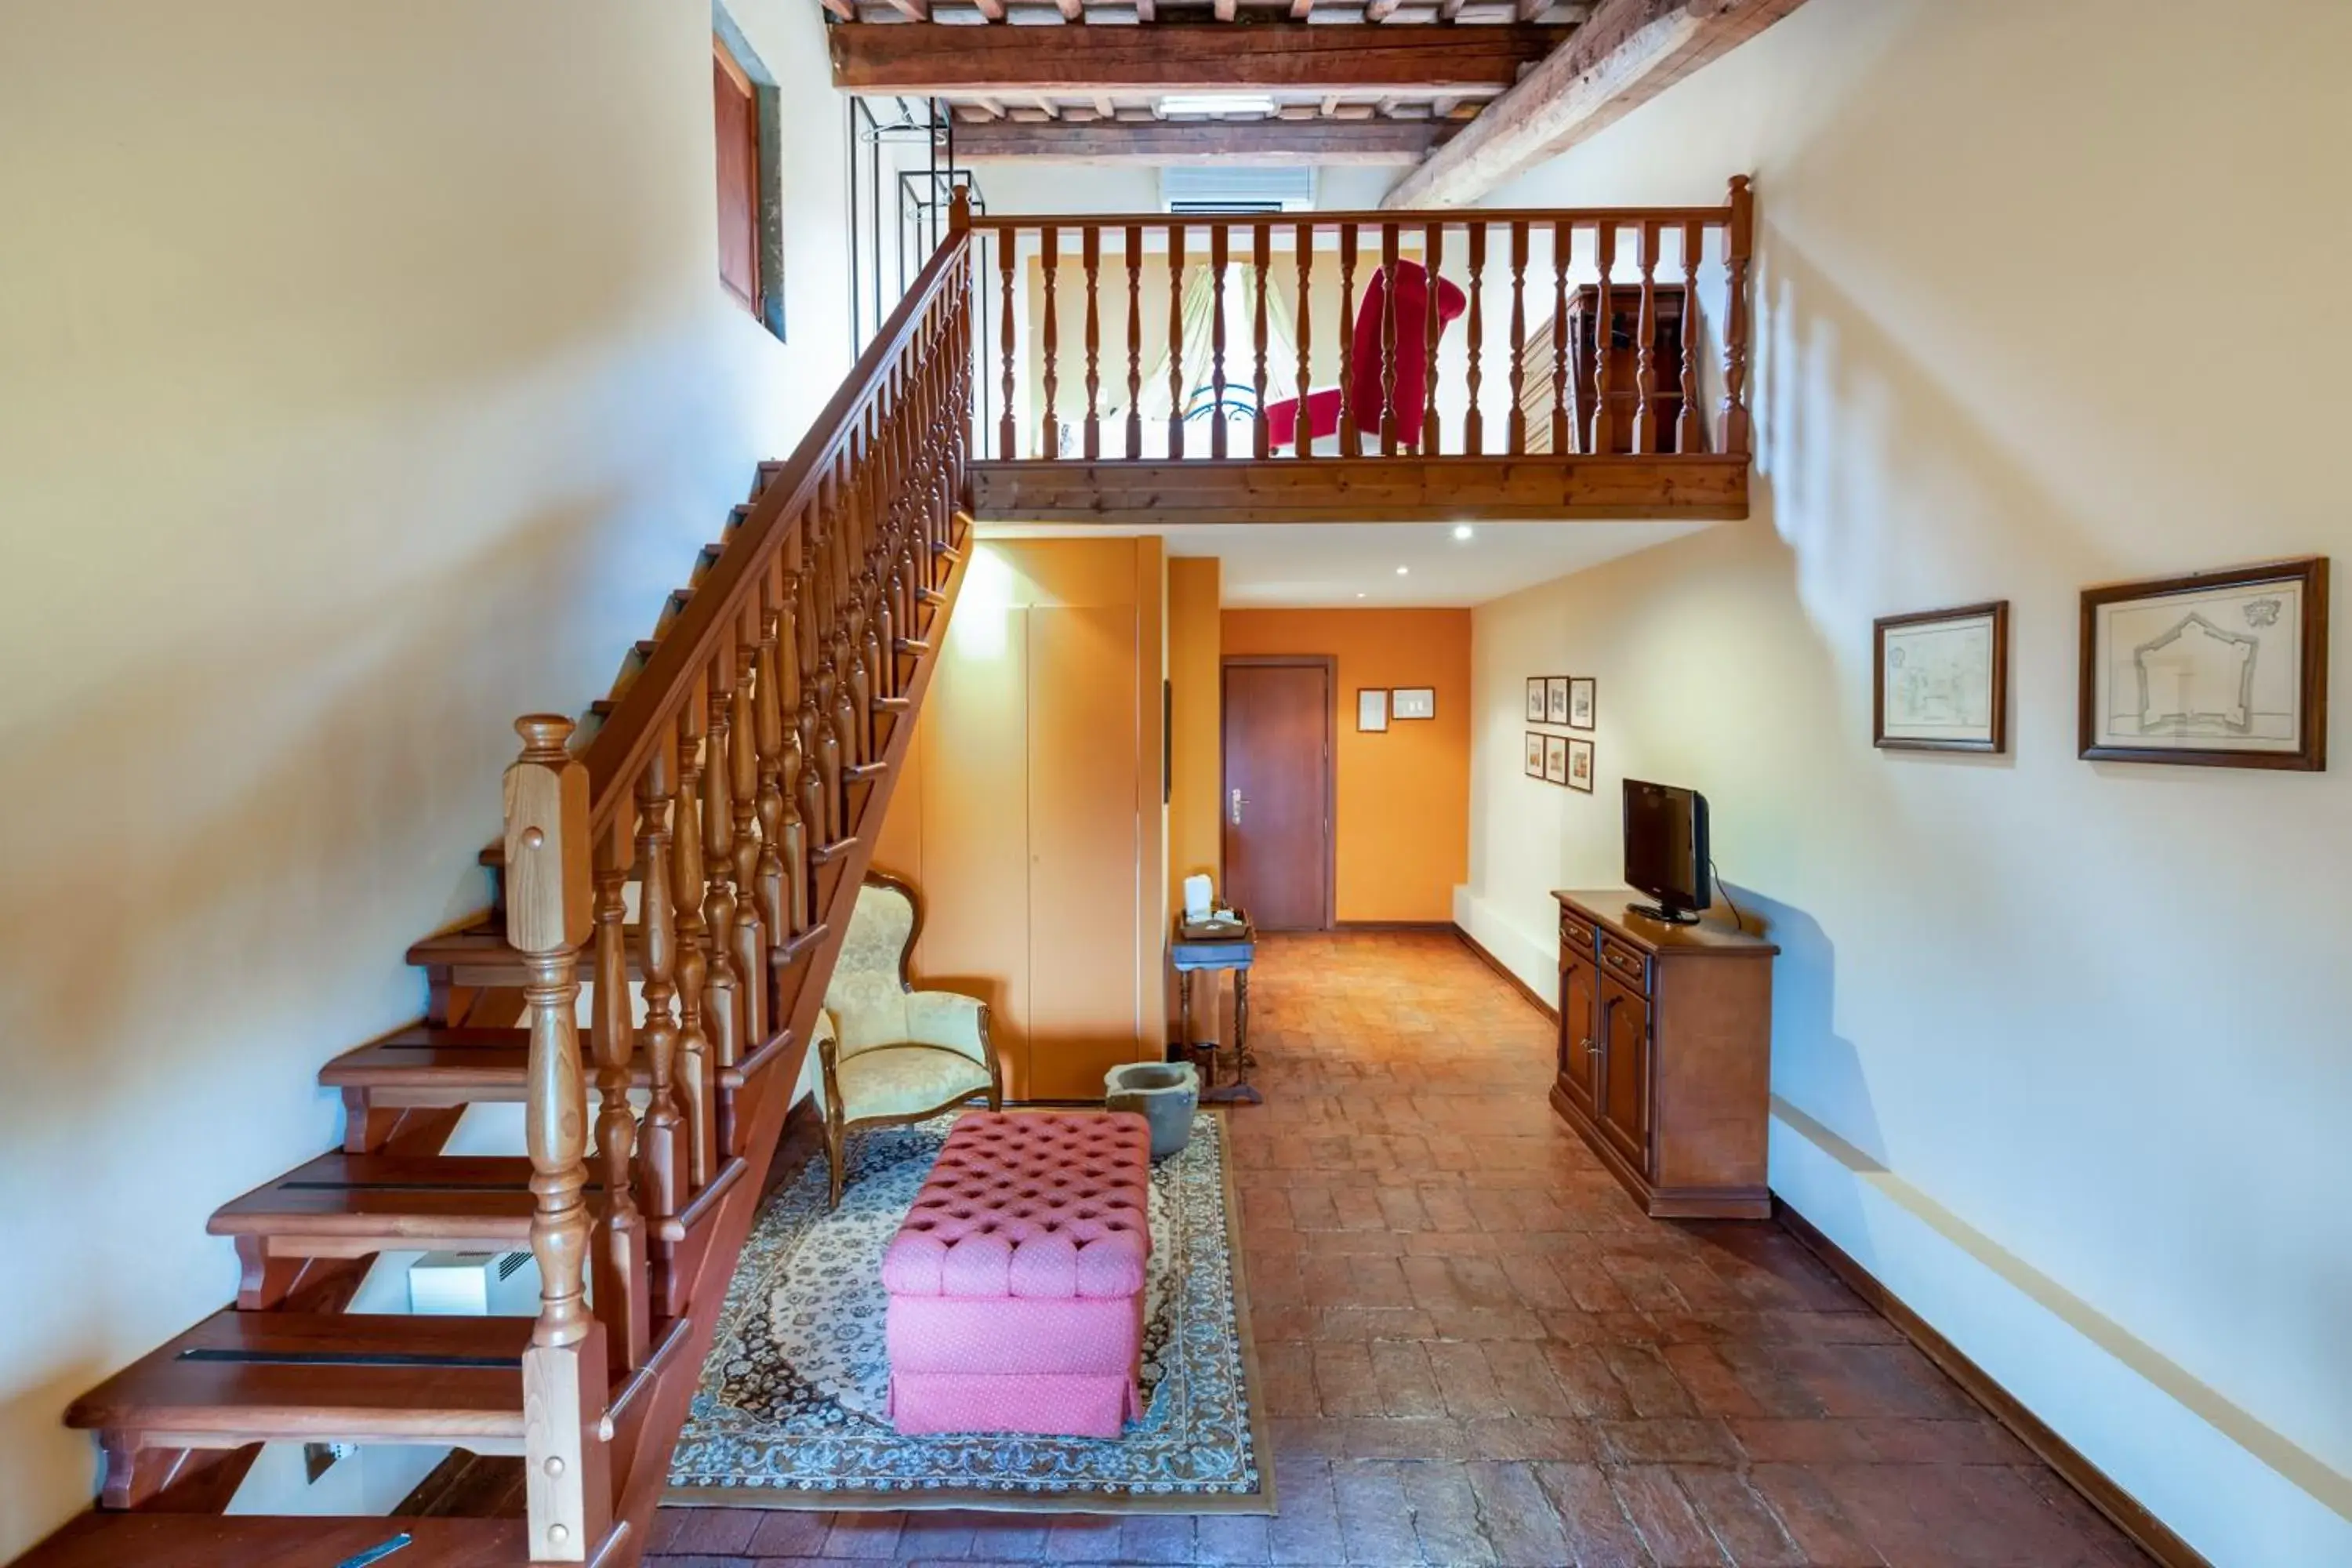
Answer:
(1626, 53)
(934, 58)
(1260, 141)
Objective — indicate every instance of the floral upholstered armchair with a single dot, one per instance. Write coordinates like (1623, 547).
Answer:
(891, 1054)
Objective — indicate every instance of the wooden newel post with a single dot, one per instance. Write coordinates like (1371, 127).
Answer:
(549, 904)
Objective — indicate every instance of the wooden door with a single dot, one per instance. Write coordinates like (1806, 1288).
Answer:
(1276, 799)
(1576, 1028)
(1084, 845)
(1623, 1091)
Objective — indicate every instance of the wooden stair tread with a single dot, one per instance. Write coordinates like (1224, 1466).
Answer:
(488, 1062)
(107, 1539)
(479, 954)
(244, 1377)
(396, 1197)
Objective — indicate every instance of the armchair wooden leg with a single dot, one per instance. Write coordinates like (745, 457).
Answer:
(834, 1158)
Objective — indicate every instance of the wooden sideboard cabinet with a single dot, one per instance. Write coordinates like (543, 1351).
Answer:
(1665, 1054)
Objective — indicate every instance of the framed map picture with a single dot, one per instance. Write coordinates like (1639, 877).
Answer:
(1583, 701)
(1942, 682)
(1555, 699)
(1535, 755)
(1534, 699)
(2219, 669)
(1555, 758)
(1579, 764)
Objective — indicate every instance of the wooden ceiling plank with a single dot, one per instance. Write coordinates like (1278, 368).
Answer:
(1626, 53)
(1257, 142)
(912, 59)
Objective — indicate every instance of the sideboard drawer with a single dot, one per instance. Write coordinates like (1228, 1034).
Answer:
(1575, 935)
(1628, 963)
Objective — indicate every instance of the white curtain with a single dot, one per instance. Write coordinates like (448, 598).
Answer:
(1194, 358)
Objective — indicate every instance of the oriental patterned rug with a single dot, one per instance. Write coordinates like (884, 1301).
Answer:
(790, 1413)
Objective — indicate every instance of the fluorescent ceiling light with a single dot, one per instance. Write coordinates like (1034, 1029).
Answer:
(1216, 103)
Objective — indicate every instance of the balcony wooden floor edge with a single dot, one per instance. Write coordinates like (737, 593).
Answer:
(1698, 488)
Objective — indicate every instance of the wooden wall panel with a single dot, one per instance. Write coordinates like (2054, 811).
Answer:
(1084, 846)
(973, 845)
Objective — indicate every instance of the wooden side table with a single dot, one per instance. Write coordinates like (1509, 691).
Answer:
(1213, 948)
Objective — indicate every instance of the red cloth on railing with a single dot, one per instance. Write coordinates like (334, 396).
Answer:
(1412, 360)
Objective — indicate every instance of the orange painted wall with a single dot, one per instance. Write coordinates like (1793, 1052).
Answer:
(1403, 829)
(1029, 812)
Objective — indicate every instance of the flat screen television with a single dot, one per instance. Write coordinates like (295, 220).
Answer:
(1666, 851)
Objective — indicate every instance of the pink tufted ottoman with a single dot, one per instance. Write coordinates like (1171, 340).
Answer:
(1016, 1281)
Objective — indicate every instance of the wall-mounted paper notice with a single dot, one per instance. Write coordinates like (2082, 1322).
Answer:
(1196, 896)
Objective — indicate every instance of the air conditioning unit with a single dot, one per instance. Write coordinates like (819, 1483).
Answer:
(1209, 188)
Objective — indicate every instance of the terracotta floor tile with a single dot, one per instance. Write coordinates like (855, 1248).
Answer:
(1669, 1527)
(1517, 1517)
(1375, 1519)
(1472, 1345)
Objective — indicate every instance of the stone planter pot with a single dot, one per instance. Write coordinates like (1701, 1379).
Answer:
(1165, 1094)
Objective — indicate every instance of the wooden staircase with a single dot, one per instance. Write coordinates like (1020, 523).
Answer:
(691, 862)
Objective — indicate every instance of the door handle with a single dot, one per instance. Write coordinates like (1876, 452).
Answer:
(1237, 808)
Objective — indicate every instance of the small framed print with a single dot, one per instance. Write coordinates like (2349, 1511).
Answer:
(2224, 669)
(1943, 681)
(1535, 755)
(1555, 759)
(1413, 702)
(1536, 699)
(1583, 701)
(1555, 699)
(1579, 764)
(1371, 708)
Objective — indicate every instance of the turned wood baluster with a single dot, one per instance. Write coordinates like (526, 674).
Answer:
(1302, 434)
(1134, 341)
(1686, 426)
(1006, 247)
(723, 980)
(1604, 322)
(753, 931)
(1091, 259)
(1645, 435)
(1474, 425)
(869, 684)
(1049, 341)
(1217, 256)
(778, 905)
(1563, 433)
(1739, 238)
(621, 1299)
(1517, 425)
(661, 1141)
(564, 1372)
(1433, 245)
(1176, 340)
(1350, 443)
(1390, 317)
(1261, 254)
(688, 891)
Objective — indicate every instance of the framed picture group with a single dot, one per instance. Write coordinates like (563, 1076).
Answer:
(2223, 669)
(1568, 703)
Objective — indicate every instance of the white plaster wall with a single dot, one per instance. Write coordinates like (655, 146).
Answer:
(365, 381)
(2044, 302)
